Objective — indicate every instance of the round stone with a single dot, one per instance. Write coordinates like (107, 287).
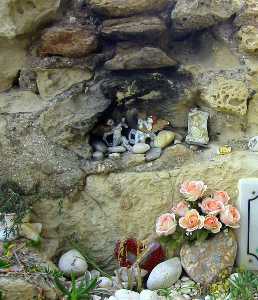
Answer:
(72, 262)
(253, 144)
(116, 149)
(165, 274)
(126, 295)
(140, 148)
(105, 282)
(164, 139)
(153, 154)
(149, 295)
(98, 155)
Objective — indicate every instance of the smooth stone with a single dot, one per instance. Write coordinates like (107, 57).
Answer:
(253, 144)
(153, 154)
(114, 155)
(31, 231)
(99, 146)
(72, 262)
(126, 295)
(148, 295)
(105, 282)
(98, 155)
(179, 297)
(140, 148)
(116, 149)
(165, 274)
(164, 139)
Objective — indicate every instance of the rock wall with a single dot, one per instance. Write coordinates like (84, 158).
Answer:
(67, 64)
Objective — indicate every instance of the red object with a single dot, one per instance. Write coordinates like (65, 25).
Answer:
(127, 251)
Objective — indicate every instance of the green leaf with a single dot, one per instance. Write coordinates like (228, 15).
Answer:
(61, 287)
(4, 264)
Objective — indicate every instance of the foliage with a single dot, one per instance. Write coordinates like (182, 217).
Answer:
(77, 292)
(4, 264)
(221, 287)
(244, 286)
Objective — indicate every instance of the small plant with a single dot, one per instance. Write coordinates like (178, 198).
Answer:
(244, 286)
(82, 291)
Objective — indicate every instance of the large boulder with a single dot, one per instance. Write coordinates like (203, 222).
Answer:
(139, 27)
(69, 40)
(204, 261)
(196, 15)
(139, 58)
(121, 8)
(22, 17)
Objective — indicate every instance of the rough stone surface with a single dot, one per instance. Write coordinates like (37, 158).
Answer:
(71, 41)
(52, 82)
(204, 261)
(227, 95)
(21, 17)
(142, 27)
(253, 144)
(121, 8)
(200, 14)
(248, 36)
(165, 274)
(12, 59)
(140, 58)
(197, 128)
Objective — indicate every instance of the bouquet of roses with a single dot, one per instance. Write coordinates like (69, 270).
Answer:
(199, 216)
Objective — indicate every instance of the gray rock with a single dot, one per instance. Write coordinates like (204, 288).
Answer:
(140, 148)
(72, 262)
(153, 153)
(165, 274)
(149, 295)
(99, 146)
(253, 144)
(197, 128)
(204, 261)
(97, 155)
(116, 149)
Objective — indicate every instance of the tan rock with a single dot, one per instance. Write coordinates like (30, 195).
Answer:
(248, 14)
(21, 17)
(52, 82)
(196, 15)
(248, 36)
(31, 231)
(227, 95)
(252, 116)
(164, 139)
(71, 41)
(139, 58)
(12, 59)
(121, 8)
(133, 27)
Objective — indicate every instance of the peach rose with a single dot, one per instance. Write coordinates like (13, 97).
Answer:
(211, 206)
(192, 220)
(166, 224)
(230, 216)
(222, 196)
(181, 208)
(193, 190)
(212, 223)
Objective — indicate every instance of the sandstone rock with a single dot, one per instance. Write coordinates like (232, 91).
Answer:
(197, 15)
(248, 14)
(165, 274)
(153, 154)
(197, 128)
(27, 80)
(52, 82)
(164, 139)
(31, 231)
(139, 27)
(120, 8)
(12, 59)
(227, 95)
(253, 144)
(248, 36)
(204, 261)
(71, 41)
(72, 262)
(139, 58)
(21, 17)
(252, 114)
(140, 148)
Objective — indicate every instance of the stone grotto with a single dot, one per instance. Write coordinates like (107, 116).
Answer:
(128, 149)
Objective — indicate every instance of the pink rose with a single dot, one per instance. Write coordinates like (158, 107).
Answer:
(192, 220)
(230, 216)
(166, 224)
(222, 196)
(181, 208)
(193, 190)
(211, 206)
(212, 223)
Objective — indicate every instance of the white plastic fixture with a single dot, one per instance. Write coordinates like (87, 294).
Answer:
(248, 231)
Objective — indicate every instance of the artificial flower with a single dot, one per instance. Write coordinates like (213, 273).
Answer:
(221, 196)
(230, 216)
(212, 223)
(166, 224)
(211, 206)
(193, 190)
(191, 221)
(181, 208)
